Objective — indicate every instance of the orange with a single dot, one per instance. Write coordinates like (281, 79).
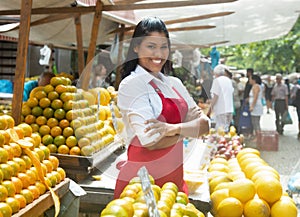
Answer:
(17, 183)
(21, 200)
(48, 164)
(230, 207)
(269, 189)
(34, 190)
(71, 141)
(284, 207)
(57, 175)
(216, 197)
(126, 204)
(42, 188)
(47, 139)
(44, 130)
(64, 123)
(71, 115)
(48, 88)
(25, 179)
(37, 139)
(242, 189)
(40, 153)
(19, 132)
(27, 161)
(56, 81)
(28, 195)
(59, 114)
(63, 149)
(10, 151)
(9, 185)
(114, 210)
(32, 176)
(3, 155)
(46, 151)
(44, 102)
(41, 120)
(62, 172)
(3, 193)
(13, 203)
(55, 131)
(59, 140)
(32, 102)
(68, 131)
(66, 96)
(21, 163)
(15, 166)
(30, 119)
(75, 151)
(7, 171)
(40, 94)
(75, 123)
(216, 181)
(1, 176)
(57, 104)
(53, 179)
(53, 95)
(256, 207)
(52, 148)
(3, 123)
(87, 150)
(52, 122)
(68, 105)
(5, 210)
(48, 112)
(10, 121)
(61, 88)
(32, 92)
(55, 162)
(26, 110)
(26, 128)
(2, 139)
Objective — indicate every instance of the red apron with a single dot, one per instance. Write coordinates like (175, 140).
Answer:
(164, 165)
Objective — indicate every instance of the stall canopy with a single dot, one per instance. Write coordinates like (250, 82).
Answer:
(203, 23)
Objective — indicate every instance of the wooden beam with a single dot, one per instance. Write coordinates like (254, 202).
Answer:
(120, 51)
(92, 45)
(80, 51)
(181, 46)
(187, 19)
(21, 59)
(121, 7)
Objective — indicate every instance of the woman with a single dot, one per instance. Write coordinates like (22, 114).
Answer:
(157, 110)
(255, 102)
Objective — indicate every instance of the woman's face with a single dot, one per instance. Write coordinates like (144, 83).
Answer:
(251, 81)
(153, 52)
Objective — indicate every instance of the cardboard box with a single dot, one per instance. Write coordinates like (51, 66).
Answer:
(267, 140)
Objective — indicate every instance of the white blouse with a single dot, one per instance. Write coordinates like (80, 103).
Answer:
(138, 101)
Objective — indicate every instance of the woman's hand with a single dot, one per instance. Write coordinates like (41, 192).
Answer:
(251, 108)
(193, 114)
(163, 128)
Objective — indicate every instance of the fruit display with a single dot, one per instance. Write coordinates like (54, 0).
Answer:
(70, 120)
(247, 186)
(169, 201)
(27, 170)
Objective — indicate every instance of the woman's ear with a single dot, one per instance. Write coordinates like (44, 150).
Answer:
(136, 49)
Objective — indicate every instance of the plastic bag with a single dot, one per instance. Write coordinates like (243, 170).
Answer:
(286, 118)
(245, 122)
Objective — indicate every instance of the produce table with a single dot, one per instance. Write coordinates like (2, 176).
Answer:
(100, 192)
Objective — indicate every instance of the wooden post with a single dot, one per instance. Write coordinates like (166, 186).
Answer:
(79, 44)
(21, 59)
(120, 51)
(92, 45)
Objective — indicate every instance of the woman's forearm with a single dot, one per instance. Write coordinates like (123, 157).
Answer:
(194, 128)
(165, 142)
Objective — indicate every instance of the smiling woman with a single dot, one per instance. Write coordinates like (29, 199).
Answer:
(157, 110)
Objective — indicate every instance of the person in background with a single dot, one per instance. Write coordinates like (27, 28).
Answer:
(42, 80)
(100, 77)
(268, 89)
(248, 86)
(295, 96)
(236, 100)
(222, 98)
(157, 110)
(255, 102)
(280, 97)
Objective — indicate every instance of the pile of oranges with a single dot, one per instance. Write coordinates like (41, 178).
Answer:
(67, 118)
(27, 170)
(247, 186)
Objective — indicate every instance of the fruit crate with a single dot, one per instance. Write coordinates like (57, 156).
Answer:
(79, 167)
(44, 202)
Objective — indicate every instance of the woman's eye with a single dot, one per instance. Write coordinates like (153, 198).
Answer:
(151, 46)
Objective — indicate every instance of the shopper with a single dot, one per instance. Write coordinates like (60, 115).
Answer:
(248, 86)
(295, 96)
(268, 89)
(280, 98)
(255, 102)
(222, 98)
(157, 110)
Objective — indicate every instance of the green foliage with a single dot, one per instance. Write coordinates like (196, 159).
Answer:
(271, 56)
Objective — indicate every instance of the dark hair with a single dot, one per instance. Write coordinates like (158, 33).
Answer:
(251, 70)
(257, 79)
(144, 28)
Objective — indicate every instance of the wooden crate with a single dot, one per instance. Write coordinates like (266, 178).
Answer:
(44, 202)
(267, 140)
(79, 167)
